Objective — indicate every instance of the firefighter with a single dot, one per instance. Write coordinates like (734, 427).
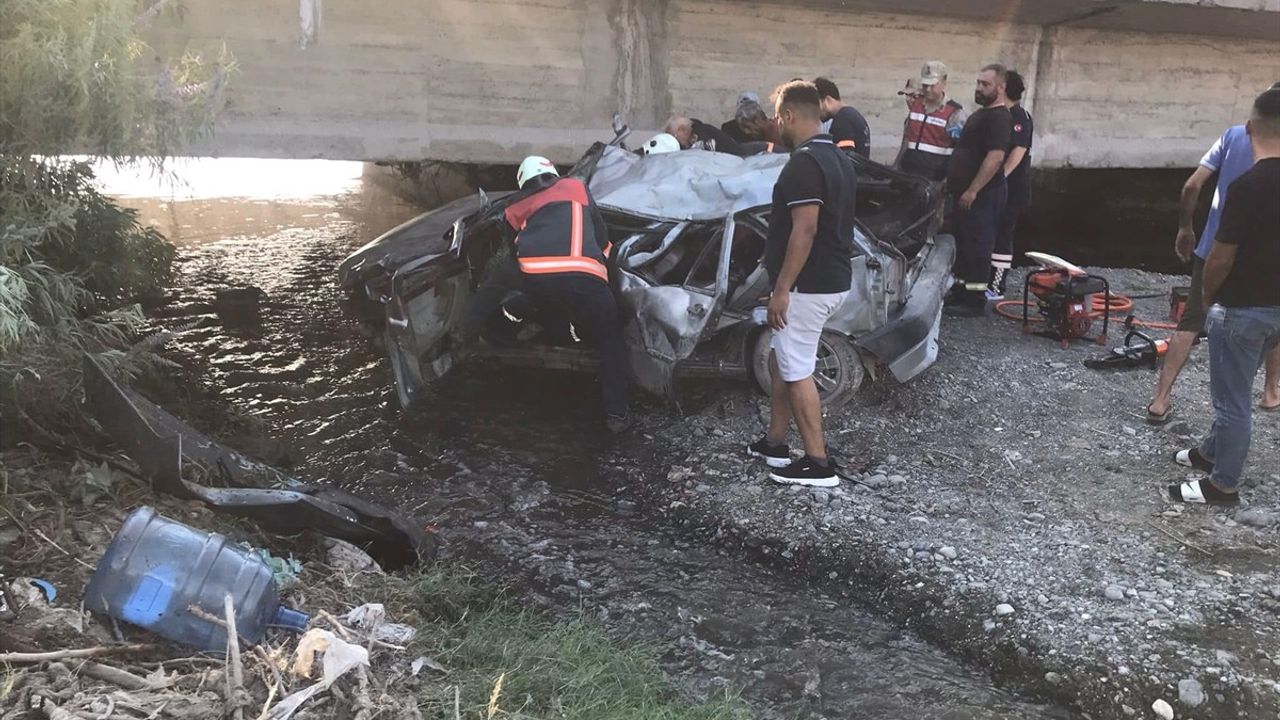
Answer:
(560, 261)
(933, 126)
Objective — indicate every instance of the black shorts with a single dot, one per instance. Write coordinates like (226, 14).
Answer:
(1193, 315)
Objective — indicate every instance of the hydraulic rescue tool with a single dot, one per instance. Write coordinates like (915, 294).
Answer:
(1139, 349)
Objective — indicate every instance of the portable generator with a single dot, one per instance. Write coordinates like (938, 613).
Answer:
(1064, 296)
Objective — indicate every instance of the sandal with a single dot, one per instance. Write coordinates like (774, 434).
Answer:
(1201, 492)
(1160, 418)
(1193, 459)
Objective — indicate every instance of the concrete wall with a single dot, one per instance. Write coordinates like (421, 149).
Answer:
(488, 81)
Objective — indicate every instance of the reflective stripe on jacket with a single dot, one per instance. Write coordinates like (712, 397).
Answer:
(556, 233)
(927, 132)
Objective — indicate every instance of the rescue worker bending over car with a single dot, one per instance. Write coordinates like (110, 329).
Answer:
(696, 135)
(561, 250)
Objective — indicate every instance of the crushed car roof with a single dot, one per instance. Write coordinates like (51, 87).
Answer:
(685, 185)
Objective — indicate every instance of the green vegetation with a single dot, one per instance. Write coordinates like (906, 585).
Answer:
(474, 634)
(76, 77)
(568, 670)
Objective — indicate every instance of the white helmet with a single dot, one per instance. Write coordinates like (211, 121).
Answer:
(661, 143)
(532, 167)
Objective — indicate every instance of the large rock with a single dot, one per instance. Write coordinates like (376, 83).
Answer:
(1190, 692)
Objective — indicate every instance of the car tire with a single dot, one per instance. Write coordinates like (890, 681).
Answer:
(839, 373)
(406, 373)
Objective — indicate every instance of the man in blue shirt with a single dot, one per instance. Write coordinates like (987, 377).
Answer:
(1230, 157)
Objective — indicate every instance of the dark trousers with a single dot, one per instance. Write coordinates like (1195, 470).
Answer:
(585, 301)
(1002, 254)
(501, 277)
(590, 306)
(976, 230)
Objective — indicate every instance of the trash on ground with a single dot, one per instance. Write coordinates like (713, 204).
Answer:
(285, 570)
(345, 557)
(340, 657)
(424, 661)
(371, 618)
(172, 579)
(46, 587)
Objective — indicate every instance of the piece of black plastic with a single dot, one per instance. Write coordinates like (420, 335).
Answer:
(157, 441)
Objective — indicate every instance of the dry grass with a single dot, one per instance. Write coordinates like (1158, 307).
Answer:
(487, 658)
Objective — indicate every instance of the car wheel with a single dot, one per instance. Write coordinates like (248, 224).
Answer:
(838, 373)
(406, 372)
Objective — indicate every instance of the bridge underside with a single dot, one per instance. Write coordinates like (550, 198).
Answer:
(1126, 83)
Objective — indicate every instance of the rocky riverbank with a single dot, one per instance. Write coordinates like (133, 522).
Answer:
(1008, 506)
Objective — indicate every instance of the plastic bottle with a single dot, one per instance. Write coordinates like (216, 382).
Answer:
(156, 568)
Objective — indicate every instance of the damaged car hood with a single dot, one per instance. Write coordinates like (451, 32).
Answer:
(686, 185)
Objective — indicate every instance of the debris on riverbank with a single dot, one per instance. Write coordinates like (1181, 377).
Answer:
(459, 648)
(1008, 506)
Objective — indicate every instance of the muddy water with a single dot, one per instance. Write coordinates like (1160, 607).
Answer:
(512, 469)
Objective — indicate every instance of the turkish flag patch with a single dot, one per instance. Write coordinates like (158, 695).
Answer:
(1017, 128)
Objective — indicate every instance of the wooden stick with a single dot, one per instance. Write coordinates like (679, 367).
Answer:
(235, 666)
(123, 678)
(271, 695)
(1188, 543)
(61, 550)
(266, 660)
(338, 627)
(19, 657)
(18, 522)
(210, 617)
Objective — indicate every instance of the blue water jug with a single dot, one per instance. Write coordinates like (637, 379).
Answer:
(156, 568)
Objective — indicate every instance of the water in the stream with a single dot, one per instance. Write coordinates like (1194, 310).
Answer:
(506, 464)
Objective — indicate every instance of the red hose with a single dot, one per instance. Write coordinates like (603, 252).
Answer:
(1120, 305)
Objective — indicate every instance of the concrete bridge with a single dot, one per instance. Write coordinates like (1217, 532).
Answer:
(1114, 83)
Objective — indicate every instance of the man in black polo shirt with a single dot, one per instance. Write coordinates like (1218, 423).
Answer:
(849, 129)
(807, 255)
(976, 181)
(1242, 276)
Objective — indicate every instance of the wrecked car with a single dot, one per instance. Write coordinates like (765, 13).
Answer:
(688, 230)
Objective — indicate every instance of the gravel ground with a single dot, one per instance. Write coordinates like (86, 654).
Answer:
(1008, 505)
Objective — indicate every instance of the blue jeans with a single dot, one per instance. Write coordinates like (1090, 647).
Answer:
(1239, 340)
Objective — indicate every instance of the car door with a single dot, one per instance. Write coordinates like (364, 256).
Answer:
(670, 319)
(427, 300)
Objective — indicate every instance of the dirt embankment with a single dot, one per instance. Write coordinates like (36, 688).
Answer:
(461, 649)
(1009, 506)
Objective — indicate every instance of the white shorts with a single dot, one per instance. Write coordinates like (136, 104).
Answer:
(796, 345)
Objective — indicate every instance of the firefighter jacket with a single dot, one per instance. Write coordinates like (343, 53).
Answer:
(560, 231)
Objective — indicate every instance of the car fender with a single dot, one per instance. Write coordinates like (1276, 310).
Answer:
(908, 343)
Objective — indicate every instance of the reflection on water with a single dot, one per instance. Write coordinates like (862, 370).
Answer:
(202, 178)
(202, 200)
(499, 460)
